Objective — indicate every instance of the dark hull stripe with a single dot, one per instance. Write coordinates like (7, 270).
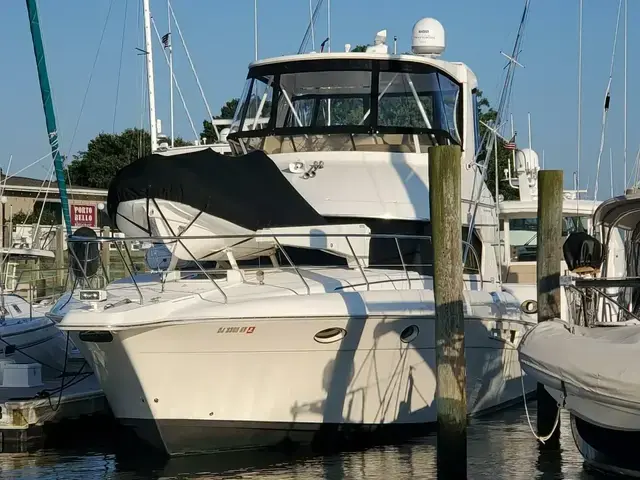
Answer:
(607, 449)
(184, 437)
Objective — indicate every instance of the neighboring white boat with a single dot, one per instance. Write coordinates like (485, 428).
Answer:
(590, 371)
(26, 334)
(316, 322)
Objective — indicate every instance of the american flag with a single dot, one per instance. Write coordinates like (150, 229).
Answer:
(165, 40)
(511, 144)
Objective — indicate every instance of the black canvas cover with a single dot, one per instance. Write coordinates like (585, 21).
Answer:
(248, 190)
(582, 252)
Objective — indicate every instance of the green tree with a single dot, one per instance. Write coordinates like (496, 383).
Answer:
(226, 112)
(106, 154)
(359, 48)
(487, 115)
(48, 217)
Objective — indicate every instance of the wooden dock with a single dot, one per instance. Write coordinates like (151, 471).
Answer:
(28, 414)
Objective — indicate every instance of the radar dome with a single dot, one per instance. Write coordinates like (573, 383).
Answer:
(428, 37)
(527, 160)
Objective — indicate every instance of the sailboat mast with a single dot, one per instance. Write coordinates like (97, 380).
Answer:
(49, 113)
(170, 44)
(624, 127)
(579, 143)
(255, 29)
(148, 47)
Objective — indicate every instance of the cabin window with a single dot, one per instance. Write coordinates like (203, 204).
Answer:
(346, 105)
(242, 107)
(16, 308)
(476, 122)
(322, 99)
(418, 100)
(258, 103)
(342, 111)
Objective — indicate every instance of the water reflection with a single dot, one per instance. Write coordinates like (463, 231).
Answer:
(500, 447)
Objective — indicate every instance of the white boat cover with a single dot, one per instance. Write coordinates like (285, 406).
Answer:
(600, 363)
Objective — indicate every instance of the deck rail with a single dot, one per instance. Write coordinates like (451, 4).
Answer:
(279, 247)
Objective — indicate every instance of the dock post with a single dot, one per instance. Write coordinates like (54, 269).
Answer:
(549, 257)
(451, 372)
(60, 263)
(105, 253)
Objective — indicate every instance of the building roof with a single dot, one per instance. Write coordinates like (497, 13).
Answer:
(28, 184)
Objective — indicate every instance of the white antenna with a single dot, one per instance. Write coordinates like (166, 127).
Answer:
(529, 122)
(579, 101)
(497, 200)
(329, 25)
(513, 152)
(624, 128)
(170, 46)
(611, 170)
(148, 47)
(313, 34)
(255, 27)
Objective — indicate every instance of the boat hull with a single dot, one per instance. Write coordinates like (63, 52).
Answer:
(218, 385)
(35, 340)
(607, 449)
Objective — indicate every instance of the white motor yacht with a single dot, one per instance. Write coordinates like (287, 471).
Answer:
(307, 314)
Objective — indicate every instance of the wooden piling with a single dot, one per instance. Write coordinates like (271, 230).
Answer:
(451, 373)
(61, 272)
(105, 253)
(549, 257)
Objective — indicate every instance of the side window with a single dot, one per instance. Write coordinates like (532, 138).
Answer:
(259, 104)
(476, 122)
(473, 262)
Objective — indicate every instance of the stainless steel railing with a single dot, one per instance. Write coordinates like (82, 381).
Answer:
(279, 246)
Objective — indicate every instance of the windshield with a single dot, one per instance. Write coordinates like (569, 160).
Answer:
(361, 104)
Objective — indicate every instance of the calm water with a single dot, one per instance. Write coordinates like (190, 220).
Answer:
(500, 447)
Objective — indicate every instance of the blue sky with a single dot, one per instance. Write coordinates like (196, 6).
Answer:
(220, 39)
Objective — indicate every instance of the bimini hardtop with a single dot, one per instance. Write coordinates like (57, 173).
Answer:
(596, 364)
(205, 193)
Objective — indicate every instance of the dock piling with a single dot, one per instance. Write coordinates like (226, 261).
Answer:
(549, 257)
(451, 373)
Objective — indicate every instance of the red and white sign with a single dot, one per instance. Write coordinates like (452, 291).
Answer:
(84, 216)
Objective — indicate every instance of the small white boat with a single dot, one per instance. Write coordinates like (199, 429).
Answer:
(592, 373)
(26, 334)
(591, 370)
